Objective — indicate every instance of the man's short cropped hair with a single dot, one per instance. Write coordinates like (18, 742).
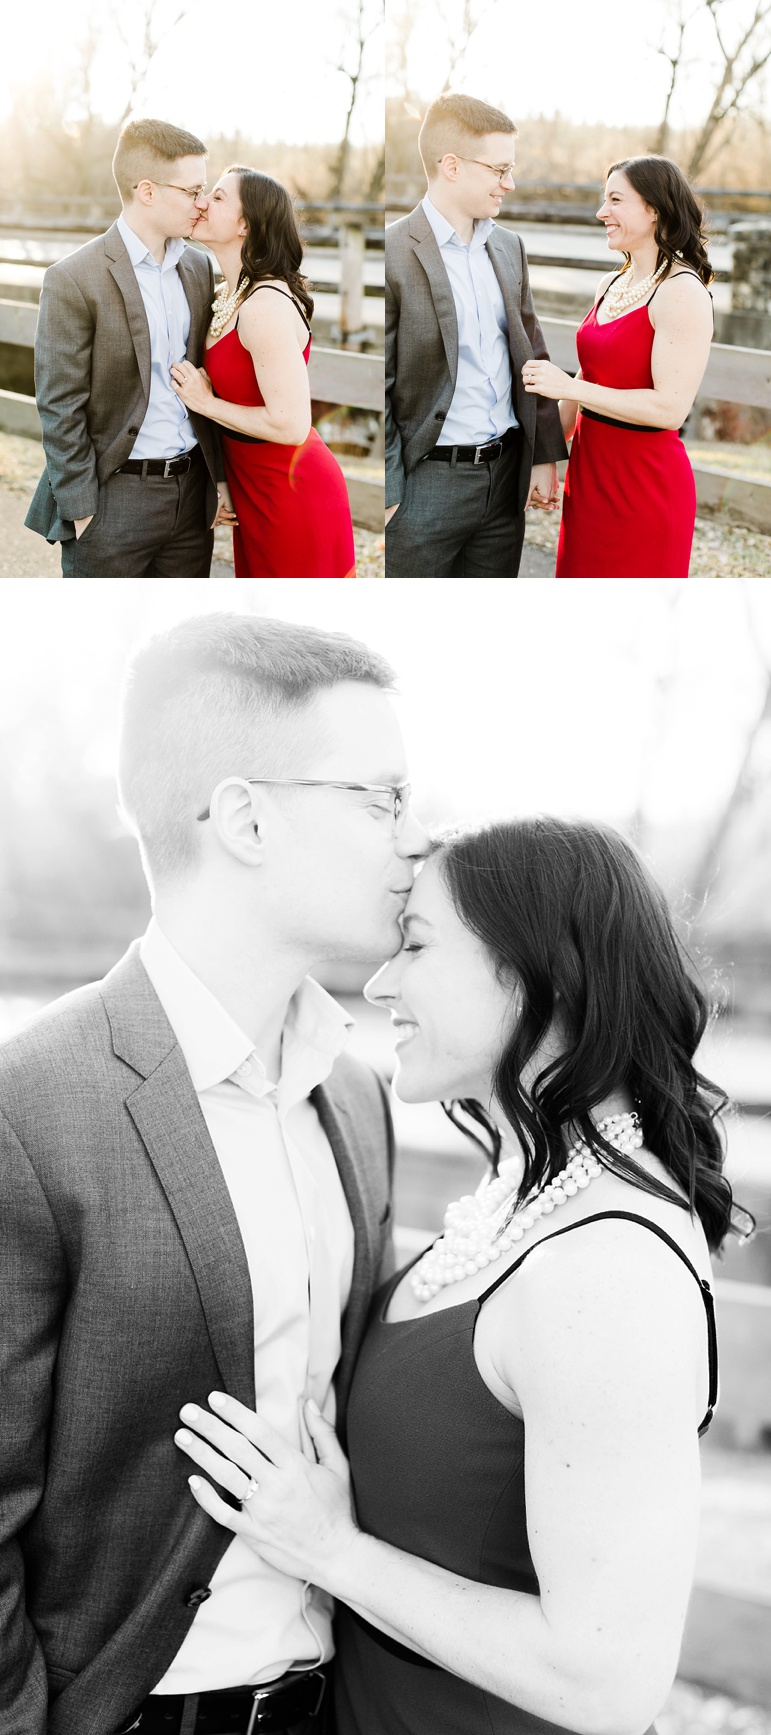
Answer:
(457, 123)
(145, 151)
(221, 695)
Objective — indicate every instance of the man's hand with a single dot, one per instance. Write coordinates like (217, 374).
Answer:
(225, 508)
(80, 525)
(544, 490)
(390, 510)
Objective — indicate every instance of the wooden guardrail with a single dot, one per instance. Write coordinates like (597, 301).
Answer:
(336, 377)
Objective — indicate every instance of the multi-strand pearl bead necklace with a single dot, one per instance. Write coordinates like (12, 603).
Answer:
(224, 306)
(481, 1227)
(622, 295)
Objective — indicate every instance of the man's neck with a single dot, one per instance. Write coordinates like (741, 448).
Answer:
(250, 979)
(461, 222)
(145, 230)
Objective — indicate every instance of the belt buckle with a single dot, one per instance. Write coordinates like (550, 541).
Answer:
(488, 446)
(261, 1693)
(166, 470)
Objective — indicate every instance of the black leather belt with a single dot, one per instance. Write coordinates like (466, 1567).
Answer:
(159, 466)
(235, 1710)
(487, 454)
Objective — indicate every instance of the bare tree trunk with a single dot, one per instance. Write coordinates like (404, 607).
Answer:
(662, 137)
(364, 34)
(138, 62)
(733, 81)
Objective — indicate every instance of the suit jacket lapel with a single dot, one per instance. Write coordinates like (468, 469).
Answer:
(165, 1110)
(351, 1150)
(427, 251)
(198, 304)
(510, 289)
(123, 271)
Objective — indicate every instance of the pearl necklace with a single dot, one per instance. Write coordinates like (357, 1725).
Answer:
(474, 1234)
(223, 309)
(621, 295)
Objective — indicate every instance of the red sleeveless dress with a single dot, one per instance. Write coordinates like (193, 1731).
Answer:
(294, 520)
(630, 497)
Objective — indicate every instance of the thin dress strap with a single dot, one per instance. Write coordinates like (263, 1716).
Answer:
(284, 292)
(706, 1292)
(698, 280)
(605, 290)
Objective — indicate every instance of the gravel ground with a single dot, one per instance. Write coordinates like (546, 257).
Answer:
(720, 549)
(696, 1711)
(21, 464)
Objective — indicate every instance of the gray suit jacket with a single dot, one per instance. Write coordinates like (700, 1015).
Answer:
(422, 350)
(124, 1291)
(92, 376)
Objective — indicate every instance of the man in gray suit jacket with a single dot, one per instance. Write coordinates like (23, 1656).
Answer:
(132, 480)
(196, 1187)
(467, 449)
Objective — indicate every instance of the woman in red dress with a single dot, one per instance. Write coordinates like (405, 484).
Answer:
(288, 492)
(630, 498)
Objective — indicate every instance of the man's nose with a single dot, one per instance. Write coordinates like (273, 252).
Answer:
(202, 202)
(412, 842)
(507, 180)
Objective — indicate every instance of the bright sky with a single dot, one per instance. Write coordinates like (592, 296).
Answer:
(515, 698)
(593, 61)
(267, 69)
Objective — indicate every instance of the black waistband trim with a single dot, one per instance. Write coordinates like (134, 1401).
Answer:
(247, 439)
(613, 422)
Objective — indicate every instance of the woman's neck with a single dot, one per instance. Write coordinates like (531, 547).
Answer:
(644, 261)
(229, 257)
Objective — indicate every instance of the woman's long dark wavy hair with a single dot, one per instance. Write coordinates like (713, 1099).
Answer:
(680, 232)
(572, 919)
(273, 247)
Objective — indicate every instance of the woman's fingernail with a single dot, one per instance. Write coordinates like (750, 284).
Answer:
(312, 1405)
(194, 1481)
(217, 1400)
(190, 1412)
(183, 1437)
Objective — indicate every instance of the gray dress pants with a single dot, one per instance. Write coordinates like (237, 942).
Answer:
(458, 521)
(151, 528)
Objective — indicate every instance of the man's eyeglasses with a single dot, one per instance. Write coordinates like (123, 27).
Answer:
(398, 792)
(190, 192)
(501, 173)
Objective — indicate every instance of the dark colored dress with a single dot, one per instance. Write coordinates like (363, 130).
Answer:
(438, 1469)
(629, 505)
(294, 520)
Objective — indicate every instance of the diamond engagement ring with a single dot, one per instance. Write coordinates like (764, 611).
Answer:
(252, 1487)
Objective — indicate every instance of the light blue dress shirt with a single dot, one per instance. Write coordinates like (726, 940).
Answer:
(481, 407)
(166, 431)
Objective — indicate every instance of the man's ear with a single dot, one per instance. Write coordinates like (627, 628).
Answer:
(235, 812)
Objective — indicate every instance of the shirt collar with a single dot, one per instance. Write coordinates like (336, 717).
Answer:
(445, 233)
(138, 251)
(214, 1046)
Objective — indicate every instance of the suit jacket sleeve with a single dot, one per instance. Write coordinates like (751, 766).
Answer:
(549, 439)
(32, 1291)
(395, 477)
(63, 388)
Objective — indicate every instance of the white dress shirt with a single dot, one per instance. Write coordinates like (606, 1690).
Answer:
(167, 430)
(481, 407)
(298, 1237)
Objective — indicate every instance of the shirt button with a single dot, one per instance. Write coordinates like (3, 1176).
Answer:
(244, 1069)
(194, 1597)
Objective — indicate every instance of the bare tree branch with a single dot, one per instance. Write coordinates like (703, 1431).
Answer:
(366, 24)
